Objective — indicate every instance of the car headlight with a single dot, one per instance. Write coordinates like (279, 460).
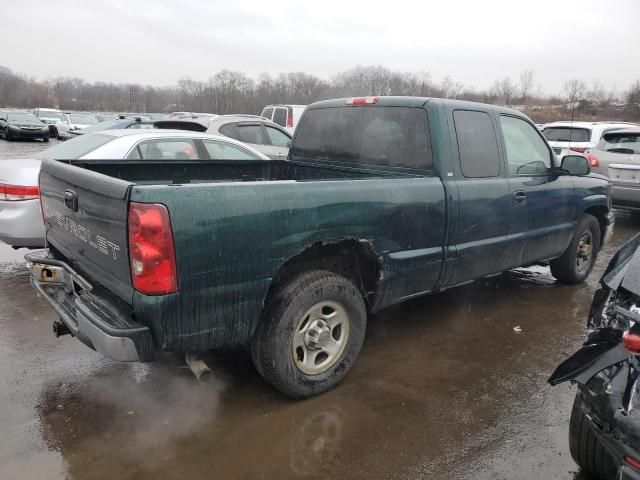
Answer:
(45, 129)
(14, 127)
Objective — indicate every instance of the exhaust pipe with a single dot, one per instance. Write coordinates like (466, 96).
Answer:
(60, 329)
(198, 367)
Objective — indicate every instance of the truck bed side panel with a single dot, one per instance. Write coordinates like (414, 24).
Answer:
(231, 239)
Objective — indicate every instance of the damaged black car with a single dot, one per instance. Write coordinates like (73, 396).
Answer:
(604, 430)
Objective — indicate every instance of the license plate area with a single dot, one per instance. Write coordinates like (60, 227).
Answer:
(54, 275)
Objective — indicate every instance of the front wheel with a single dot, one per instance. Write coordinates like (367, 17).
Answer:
(310, 334)
(586, 448)
(8, 136)
(576, 263)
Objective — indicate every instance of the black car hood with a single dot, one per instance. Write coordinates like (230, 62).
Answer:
(25, 124)
(624, 268)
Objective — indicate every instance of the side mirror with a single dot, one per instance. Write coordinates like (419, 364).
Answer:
(575, 165)
(289, 144)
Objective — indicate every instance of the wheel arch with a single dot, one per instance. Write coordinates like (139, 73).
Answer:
(352, 258)
(601, 212)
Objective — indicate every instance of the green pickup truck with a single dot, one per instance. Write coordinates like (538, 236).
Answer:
(381, 199)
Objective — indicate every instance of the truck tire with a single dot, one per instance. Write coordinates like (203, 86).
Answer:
(310, 334)
(585, 447)
(576, 263)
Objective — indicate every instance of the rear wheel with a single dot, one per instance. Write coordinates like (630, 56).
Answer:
(311, 333)
(576, 263)
(586, 449)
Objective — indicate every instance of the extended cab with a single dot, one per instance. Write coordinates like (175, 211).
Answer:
(380, 200)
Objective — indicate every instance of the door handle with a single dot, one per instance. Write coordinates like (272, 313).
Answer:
(519, 198)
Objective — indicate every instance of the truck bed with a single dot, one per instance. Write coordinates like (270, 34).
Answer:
(146, 172)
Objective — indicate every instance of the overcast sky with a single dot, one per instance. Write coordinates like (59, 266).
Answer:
(159, 41)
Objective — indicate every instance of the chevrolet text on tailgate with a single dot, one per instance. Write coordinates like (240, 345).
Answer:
(381, 199)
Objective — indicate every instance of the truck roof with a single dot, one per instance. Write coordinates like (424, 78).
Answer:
(407, 101)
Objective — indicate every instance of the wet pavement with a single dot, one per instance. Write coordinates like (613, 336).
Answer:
(446, 387)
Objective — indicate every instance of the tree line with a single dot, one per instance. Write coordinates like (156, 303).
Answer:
(235, 92)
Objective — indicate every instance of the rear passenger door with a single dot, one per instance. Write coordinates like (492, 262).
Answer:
(544, 204)
(480, 236)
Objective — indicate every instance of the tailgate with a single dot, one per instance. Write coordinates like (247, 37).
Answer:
(624, 174)
(86, 221)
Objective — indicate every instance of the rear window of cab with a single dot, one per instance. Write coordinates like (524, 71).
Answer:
(567, 134)
(393, 136)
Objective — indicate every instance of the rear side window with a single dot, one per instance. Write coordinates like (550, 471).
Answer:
(280, 116)
(567, 134)
(227, 151)
(164, 150)
(396, 136)
(626, 143)
(477, 144)
(251, 134)
(229, 130)
(267, 112)
(278, 138)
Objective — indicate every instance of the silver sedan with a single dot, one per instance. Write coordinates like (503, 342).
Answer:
(20, 217)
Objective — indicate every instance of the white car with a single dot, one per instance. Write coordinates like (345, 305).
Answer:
(287, 116)
(74, 121)
(20, 218)
(49, 116)
(578, 137)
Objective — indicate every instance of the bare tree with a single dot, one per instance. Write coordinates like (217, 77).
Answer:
(526, 84)
(503, 89)
(573, 91)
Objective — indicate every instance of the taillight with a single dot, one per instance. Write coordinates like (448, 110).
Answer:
(290, 121)
(151, 251)
(633, 462)
(631, 342)
(362, 101)
(593, 160)
(578, 149)
(14, 193)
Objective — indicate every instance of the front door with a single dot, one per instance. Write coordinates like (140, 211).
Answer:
(544, 208)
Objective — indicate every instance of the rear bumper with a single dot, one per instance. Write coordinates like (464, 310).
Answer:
(95, 317)
(626, 197)
(21, 223)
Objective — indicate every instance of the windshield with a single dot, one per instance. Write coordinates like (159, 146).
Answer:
(567, 134)
(75, 148)
(48, 114)
(82, 119)
(627, 143)
(23, 117)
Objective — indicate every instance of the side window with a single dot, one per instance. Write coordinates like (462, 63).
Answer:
(141, 125)
(165, 149)
(267, 113)
(477, 144)
(278, 138)
(227, 151)
(229, 130)
(527, 153)
(251, 134)
(280, 116)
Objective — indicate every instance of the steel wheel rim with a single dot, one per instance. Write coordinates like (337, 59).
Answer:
(585, 252)
(320, 337)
